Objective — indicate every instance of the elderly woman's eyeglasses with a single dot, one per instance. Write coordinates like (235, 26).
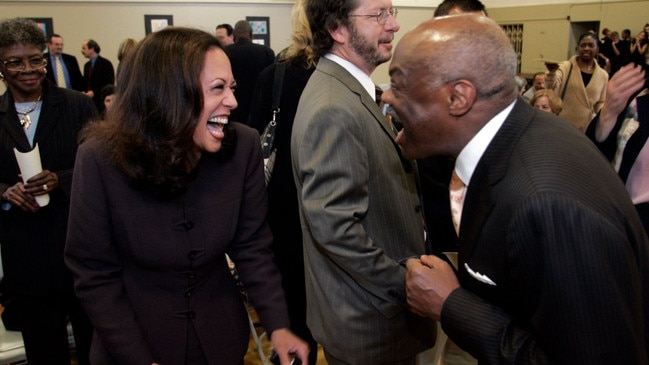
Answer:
(20, 65)
(382, 16)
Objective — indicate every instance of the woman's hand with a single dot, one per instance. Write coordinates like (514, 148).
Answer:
(42, 183)
(17, 196)
(287, 344)
(551, 66)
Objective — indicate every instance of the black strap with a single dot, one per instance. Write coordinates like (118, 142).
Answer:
(278, 81)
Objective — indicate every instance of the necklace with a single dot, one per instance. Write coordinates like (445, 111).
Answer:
(25, 119)
(588, 67)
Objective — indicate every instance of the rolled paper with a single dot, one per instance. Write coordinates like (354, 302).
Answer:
(30, 165)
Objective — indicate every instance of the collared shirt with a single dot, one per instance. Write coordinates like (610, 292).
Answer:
(64, 66)
(356, 72)
(471, 154)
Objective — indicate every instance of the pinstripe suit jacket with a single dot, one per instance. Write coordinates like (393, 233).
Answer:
(549, 222)
(32, 243)
(360, 215)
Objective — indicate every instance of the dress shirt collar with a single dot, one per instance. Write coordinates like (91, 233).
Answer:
(358, 74)
(471, 154)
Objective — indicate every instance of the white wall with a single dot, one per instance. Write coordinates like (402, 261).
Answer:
(547, 23)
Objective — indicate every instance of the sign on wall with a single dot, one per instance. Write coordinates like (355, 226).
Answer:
(260, 29)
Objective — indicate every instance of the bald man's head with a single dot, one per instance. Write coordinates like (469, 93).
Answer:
(449, 77)
(462, 47)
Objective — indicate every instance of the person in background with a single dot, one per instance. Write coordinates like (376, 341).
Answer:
(580, 82)
(538, 83)
(68, 75)
(621, 131)
(547, 100)
(299, 61)
(97, 72)
(639, 48)
(107, 95)
(125, 48)
(160, 291)
(358, 198)
(37, 287)
(547, 232)
(224, 33)
(248, 59)
(454, 7)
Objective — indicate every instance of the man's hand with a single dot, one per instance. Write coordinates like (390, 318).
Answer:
(429, 281)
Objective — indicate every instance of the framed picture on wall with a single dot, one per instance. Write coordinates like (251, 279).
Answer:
(154, 23)
(260, 29)
(46, 25)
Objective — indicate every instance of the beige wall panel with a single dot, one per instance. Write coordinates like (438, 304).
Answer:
(547, 30)
(109, 23)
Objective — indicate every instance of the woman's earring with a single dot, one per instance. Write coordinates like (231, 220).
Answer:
(2, 76)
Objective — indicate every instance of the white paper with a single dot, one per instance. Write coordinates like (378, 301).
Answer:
(30, 165)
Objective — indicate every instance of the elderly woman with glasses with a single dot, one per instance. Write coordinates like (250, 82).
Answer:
(37, 290)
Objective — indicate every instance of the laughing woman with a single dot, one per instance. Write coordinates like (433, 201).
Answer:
(164, 188)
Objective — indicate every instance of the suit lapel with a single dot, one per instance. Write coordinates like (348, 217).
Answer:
(337, 71)
(11, 124)
(50, 111)
(492, 167)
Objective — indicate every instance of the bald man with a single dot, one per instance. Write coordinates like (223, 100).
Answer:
(552, 255)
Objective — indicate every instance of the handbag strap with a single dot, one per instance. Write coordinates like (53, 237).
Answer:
(278, 82)
(565, 83)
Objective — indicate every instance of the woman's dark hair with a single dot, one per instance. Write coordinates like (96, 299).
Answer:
(21, 31)
(325, 15)
(149, 133)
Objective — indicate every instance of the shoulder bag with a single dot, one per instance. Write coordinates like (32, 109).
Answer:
(268, 136)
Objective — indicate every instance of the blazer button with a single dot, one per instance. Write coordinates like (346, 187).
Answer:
(187, 225)
(191, 255)
(191, 314)
(188, 293)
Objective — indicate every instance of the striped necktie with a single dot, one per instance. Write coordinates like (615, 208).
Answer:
(456, 189)
(60, 75)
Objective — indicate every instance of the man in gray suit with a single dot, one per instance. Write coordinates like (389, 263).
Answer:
(357, 195)
(552, 261)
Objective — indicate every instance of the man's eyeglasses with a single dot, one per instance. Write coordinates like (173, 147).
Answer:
(382, 16)
(20, 65)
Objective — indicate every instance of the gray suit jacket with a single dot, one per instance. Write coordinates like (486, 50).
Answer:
(360, 215)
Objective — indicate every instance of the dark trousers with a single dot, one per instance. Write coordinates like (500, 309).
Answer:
(43, 324)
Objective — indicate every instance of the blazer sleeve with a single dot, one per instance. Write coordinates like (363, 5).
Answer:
(578, 279)
(84, 112)
(554, 80)
(250, 249)
(94, 262)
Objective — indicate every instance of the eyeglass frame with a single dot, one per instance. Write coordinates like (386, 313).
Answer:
(23, 64)
(382, 16)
